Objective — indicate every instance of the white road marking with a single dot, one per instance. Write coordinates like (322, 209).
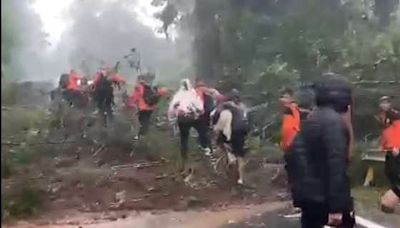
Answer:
(367, 223)
(359, 220)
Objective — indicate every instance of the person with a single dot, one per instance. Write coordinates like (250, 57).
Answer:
(145, 98)
(231, 126)
(69, 84)
(290, 119)
(390, 144)
(73, 80)
(296, 107)
(209, 97)
(187, 107)
(103, 92)
(317, 160)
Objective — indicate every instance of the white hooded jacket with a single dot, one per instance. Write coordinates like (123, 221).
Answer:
(185, 101)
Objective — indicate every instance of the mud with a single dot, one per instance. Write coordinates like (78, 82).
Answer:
(188, 219)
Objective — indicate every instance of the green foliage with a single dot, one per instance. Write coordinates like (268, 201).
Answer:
(9, 38)
(24, 201)
(260, 47)
(5, 168)
(8, 91)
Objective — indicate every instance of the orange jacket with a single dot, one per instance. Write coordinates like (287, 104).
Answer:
(290, 126)
(391, 136)
(73, 81)
(137, 98)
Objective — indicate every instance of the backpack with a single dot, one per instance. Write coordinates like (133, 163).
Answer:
(150, 95)
(209, 103)
(64, 81)
(104, 84)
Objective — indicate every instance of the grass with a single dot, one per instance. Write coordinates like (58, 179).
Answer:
(6, 170)
(24, 200)
(20, 120)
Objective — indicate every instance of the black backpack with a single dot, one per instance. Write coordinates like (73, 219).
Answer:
(104, 84)
(150, 95)
(64, 81)
(209, 103)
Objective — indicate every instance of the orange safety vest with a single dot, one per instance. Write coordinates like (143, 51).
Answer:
(290, 126)
(391, 136)
(73, 81)
(137, 97)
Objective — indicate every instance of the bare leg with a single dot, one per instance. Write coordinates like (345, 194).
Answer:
(241, 164)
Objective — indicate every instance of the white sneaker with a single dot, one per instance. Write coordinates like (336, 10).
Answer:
(240, 181)
(136, 137)
(207, 151)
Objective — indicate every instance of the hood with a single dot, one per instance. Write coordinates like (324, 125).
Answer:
(185, 85)
(335, 92)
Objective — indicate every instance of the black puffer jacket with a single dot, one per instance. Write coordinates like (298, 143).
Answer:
(317, 161)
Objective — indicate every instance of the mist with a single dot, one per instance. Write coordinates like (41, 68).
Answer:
(99, 33)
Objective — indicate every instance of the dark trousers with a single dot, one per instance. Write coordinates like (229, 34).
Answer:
(316, 216)
(144, 120)
(392, 171)
(104, 102)
(185, 124)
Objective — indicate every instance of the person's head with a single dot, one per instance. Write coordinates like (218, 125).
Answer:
(385, 103)
(84, 81)
(286, 96)
(141, 79)
(234, 96)
(333, 91)
(305, 98)
(198, 82)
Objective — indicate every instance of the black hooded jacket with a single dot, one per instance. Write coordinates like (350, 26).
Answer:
(317, 161)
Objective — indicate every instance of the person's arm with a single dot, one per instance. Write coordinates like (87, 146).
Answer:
(336, 149)
(173, 105)
(347, 120)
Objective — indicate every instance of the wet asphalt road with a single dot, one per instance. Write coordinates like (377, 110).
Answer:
(270, 220)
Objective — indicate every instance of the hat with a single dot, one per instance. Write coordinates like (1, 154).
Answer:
(385, 98)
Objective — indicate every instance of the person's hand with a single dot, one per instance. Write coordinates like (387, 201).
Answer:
(335, 219)
(396, 152)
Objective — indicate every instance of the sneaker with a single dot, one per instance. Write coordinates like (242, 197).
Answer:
(136, 137)
(207, 151)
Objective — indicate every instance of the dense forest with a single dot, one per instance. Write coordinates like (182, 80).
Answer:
(266, 45)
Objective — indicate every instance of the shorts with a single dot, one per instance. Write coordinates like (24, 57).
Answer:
(237, 142)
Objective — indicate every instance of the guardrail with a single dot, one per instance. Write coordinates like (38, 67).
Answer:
(371, 155)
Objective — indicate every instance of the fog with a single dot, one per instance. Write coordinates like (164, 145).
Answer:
(99, 33)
